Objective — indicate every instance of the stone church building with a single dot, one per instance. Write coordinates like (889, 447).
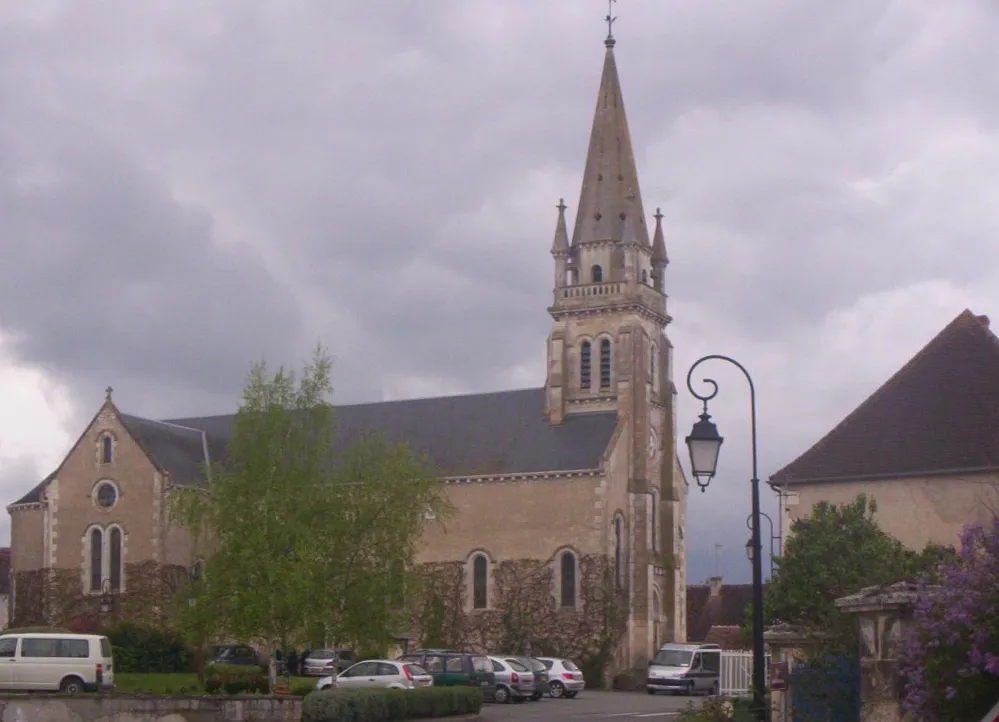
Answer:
(569, 496)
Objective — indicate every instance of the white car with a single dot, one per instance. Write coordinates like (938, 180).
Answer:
(564, 678)
(379, 673)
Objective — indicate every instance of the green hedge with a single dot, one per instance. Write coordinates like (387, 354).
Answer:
(150, 650)
(384, 705)
(235, 679)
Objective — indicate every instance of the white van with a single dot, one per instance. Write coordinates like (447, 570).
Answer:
(70, 663)
(687, 668)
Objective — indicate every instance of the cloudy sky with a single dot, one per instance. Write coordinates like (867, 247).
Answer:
(188, 187)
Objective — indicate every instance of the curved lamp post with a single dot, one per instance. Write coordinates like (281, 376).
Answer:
(773, 538)
(704, 444)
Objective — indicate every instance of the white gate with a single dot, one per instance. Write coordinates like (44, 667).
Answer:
(736, 673)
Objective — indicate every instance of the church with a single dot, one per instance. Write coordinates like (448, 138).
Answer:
(570, 498)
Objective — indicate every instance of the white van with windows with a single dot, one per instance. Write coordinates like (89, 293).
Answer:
(686, 668)
(46, 662)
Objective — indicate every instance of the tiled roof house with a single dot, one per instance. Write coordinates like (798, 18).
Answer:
(925, 445)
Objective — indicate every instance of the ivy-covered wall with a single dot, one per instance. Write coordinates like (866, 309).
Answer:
(55, 596)
(523, 613)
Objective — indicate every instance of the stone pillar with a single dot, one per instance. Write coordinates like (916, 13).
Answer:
(883, 612)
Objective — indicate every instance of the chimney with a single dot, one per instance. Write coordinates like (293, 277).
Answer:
(984, 320)
(716, 586)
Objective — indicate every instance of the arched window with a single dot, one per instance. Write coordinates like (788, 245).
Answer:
(480, 580)
(107, 449)
(605, 363)
(597, 274)
(619, 552)
(96, 559)
(585, 364)
(114, 559)
(567, 576)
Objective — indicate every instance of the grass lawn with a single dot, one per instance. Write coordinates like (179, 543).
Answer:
(138, 683)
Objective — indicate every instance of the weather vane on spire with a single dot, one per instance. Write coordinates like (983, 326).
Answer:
(610, 20)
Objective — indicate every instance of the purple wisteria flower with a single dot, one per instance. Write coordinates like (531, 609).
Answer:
(950, 654)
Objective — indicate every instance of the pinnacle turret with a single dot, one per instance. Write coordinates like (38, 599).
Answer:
(560, 245)
(659, 257)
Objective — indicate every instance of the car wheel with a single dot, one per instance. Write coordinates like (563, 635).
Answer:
(502, 695)
(650, 690)
(71, 685)
(556, 690)
(571, 695)
(689, 690)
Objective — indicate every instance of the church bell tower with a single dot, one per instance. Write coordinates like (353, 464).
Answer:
(608, 352)
(608, 339)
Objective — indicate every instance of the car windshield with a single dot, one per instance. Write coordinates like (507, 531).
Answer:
(481, 664)
(416, 670)
(517, 666)
(673, 658)
(537, 665)
(569, 665)
(322, 654)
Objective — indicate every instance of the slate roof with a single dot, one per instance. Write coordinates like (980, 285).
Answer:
(939, 413)
(726, 609)
(504, 432)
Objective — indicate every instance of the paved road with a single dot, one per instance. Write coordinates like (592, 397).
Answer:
(591, 706)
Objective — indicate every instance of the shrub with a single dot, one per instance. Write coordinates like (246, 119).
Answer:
(948, 662)
(626, 682)
(148, 650)
(302, 688)
(386, 705)
(234, 679)
(714, 709)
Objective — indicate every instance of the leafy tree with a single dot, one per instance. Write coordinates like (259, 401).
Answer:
(836, 551)
(950, 656)
(303, 541)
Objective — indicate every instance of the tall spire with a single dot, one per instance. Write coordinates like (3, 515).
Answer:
(610, 202)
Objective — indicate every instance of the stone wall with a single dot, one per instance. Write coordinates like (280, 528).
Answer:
(131, 708)
(523, 611)
(56, 596)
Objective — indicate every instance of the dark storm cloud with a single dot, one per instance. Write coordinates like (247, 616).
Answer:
(185, 189)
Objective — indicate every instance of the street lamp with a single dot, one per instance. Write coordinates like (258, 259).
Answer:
(704, 444)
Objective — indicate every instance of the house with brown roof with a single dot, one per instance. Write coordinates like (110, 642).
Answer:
(925, 445)
(716, 613)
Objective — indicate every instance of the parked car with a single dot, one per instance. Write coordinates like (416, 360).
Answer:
(687, 668)
(541, 677)
(537, 667)
(324, 662)
(564, 678)
(239, 654)
(69, 663)
(451, 668)
(391, 674)
(514, 679)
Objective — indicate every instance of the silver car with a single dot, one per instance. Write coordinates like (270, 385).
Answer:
(384, 673)
(514, 679)
(324, 662)
(564, 678)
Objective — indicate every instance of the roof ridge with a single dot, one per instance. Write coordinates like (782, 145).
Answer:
(165, 423)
